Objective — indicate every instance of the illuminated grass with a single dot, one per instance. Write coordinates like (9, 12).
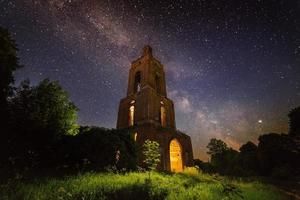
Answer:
(92, 186)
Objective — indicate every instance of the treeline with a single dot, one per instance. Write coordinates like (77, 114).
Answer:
(276, 155)
(39, 133)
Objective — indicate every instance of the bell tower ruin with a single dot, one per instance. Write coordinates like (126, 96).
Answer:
(147, 110)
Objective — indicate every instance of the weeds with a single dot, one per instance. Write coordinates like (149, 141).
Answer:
(136, 185)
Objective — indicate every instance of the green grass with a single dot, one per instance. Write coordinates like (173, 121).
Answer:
(90, 186)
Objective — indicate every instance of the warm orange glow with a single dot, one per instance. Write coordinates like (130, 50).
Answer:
(175, 156)
(135, 136)
(131, 116)
(163, 116)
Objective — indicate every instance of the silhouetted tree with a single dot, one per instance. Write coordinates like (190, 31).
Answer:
(248, 148)
(276, 155)
(230, 164)
(223, 159)
(248, 158)
(216, 146)
(294, 121)
(9, 62)
(276, 151)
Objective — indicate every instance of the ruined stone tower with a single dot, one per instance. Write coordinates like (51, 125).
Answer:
(148, 111)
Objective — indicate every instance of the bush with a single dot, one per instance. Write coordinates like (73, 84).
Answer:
(97, 148)
(282, 172)
(192, 170)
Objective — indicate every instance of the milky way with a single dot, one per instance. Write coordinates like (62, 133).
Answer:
(232, 67)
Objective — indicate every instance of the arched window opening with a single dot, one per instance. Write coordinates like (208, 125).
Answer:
(135, 136)
(163, 115)
(157, 83)
(137, 82)
(176, 156)
(131, 116)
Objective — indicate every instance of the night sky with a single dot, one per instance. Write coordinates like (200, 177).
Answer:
(232, 67)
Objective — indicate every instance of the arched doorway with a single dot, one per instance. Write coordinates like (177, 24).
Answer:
(175, 156)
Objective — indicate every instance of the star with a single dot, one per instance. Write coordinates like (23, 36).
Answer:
(225, 62)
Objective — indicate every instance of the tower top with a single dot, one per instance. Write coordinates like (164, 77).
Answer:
(147, 51)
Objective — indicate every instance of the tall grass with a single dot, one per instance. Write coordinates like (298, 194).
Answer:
(90, 186)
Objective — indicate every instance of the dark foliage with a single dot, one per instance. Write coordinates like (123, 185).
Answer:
(216, 147)
(9, 62)
(294, 122)
(97, 148)
(277, 152)
(231, 191)
(38, 117)
(43, 108)
(277, 155)
(248, 158)
(223, 159)
(204, 166)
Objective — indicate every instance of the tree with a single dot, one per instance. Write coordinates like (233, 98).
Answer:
(216, 149)
(228, 163)
(248, 148)
(43, 108)
(39, 116)
(248, 158)
(9, 62)
(216, 146)
(294, 121)
(223, 159)
(276, 151)
(152, 154)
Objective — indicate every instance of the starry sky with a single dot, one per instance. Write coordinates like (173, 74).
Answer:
(232, 67)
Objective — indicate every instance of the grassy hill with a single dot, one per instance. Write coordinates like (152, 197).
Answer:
(188, 185)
